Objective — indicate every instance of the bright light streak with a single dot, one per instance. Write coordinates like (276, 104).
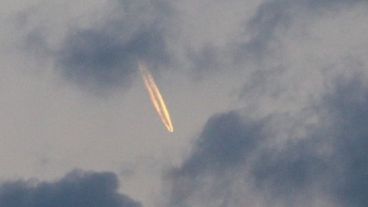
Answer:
(156, 97)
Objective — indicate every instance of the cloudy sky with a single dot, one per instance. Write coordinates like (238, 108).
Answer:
(268, 99)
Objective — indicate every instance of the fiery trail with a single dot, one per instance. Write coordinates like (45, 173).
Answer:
(156, 97)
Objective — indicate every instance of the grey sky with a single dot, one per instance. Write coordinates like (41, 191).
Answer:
(267, 98)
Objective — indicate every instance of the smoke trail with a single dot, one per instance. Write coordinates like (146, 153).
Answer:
(156, 97)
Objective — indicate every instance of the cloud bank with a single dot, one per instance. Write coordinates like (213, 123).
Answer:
(75, 189)
(303, 95)
(328, 166)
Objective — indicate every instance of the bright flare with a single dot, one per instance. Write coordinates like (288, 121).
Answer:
(156, 97)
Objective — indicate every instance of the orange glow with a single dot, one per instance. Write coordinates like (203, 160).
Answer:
(156, 97)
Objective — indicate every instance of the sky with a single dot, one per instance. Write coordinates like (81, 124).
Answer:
(268, 99)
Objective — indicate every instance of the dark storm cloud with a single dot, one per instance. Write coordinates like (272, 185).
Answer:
(107, 55)
(350, 113)
(343, 171)
(223, 146)
(224, 142)
(290, 169)
(75, 189)
(97, 57)
(332, 157)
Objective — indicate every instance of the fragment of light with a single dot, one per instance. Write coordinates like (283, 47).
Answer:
(156, 97)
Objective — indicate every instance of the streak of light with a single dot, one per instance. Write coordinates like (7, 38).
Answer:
(156, 97)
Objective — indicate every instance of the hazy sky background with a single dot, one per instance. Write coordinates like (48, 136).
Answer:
(268, 98)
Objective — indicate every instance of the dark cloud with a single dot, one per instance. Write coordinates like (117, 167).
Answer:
(350, 114)
(99, 58)
(106, 55)
(223, 146)
(288, 171)
(341, 172)
(273, 19)
(263, 35)
(331, 161)
(224, 142)
(75, 189)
